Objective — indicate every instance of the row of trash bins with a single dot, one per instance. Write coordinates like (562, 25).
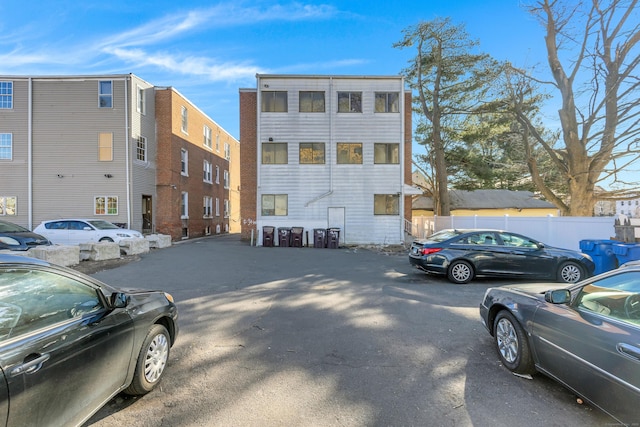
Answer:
(610, 254)
(293, 237)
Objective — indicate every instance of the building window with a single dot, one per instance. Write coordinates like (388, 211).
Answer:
(6, 95)
(6, 146)
(8, 205)
(184, 205)
(105, 147)
(387, 102)
(207, 202)
(207, 136)
(142, 105)
(226, 179)
(141, 149)
(206, 171)
(386, 204)
(226, 208)
(274, 153)
(312, 102)
(386, 153)
(185, 119)
(349, 153)
(217, 207)
(274, 204)
(218, 142)
(349, 102)
(217, 174)
(105, 205)
(312, 153)
(227, 151)
(105, 94)
(184, 162)
(274, 101)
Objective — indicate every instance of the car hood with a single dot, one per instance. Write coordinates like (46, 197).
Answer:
(536, 288)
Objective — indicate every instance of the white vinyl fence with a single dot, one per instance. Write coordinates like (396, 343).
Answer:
(565, 232)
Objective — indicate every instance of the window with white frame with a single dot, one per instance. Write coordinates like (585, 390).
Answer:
(227, 151)
(6, 95)
(142, 105)
(274, 153)
(206, 176)
(386, 153)
(311, 153)
(105, 146)
(184, 162)
(349, 153)
(185, 119)
(8, 205)
(274, 204)
(184, 205)
(105, 205)
(207, 136)
(227, 208)
(218, 142)
(386, 204)
(217, 207)
(105, 94)
(226, 179)
(141, 149)
(387, 102)
(6, 146)
(217, 174)
(274, 101)
(207, 202)
(349, 102)
(311, 102)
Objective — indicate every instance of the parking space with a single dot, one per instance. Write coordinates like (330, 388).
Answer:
(276, 336)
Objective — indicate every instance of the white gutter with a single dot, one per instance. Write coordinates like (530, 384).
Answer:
(258, 151)
(30, 156)
(402, 143)
(330, 160)
(126, 151)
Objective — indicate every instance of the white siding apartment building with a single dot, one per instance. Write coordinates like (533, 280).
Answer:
(77, 146)
(327, 151)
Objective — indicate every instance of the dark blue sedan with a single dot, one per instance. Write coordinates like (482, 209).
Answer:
(462, 255)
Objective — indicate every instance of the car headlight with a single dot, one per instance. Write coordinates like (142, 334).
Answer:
(169, 297)
(9, 241)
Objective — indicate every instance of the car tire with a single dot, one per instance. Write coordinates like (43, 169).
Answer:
(106, 239)
(570, 272)
(151, 361)
(460, 272)
(511, 343)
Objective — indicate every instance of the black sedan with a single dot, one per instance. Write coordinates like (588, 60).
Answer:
(69, 343)
(462, 255)
(586, 336)
(17, 238)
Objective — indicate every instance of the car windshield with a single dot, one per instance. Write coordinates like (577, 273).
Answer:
(103, 225)
(443, 235)
(7, 227)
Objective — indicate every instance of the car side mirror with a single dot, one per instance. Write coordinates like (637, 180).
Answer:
(558, 296)
(119, 300)
(87, 228)
(540, 245)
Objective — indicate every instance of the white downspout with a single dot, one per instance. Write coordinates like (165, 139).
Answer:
(126, 151)
(30, 156)
(402, 165)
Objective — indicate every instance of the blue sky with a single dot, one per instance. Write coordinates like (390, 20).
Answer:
(207, 50)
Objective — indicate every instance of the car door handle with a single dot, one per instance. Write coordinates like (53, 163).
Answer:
(30, 366)
(629, 350)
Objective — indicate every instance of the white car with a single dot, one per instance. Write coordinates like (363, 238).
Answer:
(76, 231)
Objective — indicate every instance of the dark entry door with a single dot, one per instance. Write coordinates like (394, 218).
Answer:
(147, 217)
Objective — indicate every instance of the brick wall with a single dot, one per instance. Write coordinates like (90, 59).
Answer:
(248, 160)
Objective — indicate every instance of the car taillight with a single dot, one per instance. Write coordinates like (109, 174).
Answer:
(428, 251)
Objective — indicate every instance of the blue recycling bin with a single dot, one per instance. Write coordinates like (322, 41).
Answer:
(626, 252)
(601, 251)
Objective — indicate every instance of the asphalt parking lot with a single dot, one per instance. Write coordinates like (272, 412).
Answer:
(326, 337)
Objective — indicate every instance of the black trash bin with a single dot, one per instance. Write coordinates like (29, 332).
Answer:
(284, 237)
(319, 238)
(268, 236)
(296, 236)
(333, 238)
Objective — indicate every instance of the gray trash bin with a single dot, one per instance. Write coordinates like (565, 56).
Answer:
(268, 236)
(333, 238)
(284, 237)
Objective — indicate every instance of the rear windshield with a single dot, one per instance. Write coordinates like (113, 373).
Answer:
(103, 225)
(7, 227)
(443, 235)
